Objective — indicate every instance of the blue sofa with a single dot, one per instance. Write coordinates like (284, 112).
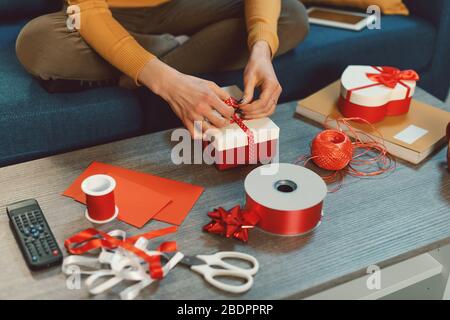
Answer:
(34, 123)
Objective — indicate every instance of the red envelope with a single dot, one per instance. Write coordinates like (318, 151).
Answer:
(183, 195)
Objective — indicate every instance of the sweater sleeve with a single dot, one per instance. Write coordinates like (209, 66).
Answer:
(262, 21)
(109, 39)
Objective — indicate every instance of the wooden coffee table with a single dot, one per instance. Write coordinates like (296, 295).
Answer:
(380, 221)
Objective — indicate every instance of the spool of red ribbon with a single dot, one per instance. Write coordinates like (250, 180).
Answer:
(100, 200)
(281, 198)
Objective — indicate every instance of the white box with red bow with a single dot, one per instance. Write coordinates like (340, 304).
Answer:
(371, 93)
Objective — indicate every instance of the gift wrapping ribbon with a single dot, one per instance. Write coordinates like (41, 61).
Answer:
(237, 222)
(124, 264)
(91, 239)
(389, 77)
(251, 138)
(233, 223)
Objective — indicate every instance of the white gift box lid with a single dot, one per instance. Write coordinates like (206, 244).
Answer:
(356, 77)
(232, 136)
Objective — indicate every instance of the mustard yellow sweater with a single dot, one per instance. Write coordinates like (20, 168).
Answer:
(103, 33)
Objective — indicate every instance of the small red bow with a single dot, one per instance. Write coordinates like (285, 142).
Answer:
(391, 76)
(234, 223)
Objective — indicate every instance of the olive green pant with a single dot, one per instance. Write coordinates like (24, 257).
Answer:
(216, 30)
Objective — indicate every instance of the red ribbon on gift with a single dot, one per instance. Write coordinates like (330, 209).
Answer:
(91, 239)
(234, 223)
(390, 76)
(232, 102)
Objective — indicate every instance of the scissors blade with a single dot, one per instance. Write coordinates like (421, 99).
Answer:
(187, 260)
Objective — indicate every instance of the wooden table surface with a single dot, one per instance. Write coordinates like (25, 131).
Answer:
(379, 221)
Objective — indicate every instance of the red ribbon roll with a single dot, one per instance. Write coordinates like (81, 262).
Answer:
(100, 201)
(285, 201)
(280, 222)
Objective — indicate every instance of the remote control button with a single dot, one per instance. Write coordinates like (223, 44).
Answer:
(34, 258)
(55, 252)
(26, 231)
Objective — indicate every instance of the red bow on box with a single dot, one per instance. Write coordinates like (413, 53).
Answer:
(232, 224)
(390, 76)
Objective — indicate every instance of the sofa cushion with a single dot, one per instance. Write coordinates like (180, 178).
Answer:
(14, 9)
(34, 123)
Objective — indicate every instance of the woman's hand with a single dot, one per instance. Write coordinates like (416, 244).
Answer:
(192, 99)
(259, 73)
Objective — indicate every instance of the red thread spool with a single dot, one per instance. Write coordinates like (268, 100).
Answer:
(100, 201)
(332, 150)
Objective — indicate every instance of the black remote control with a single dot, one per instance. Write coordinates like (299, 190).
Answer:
(33, 234)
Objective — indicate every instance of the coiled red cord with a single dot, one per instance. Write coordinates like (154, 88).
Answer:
(334, 151)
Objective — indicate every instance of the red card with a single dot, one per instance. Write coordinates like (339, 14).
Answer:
(137, 204)
(183, 195)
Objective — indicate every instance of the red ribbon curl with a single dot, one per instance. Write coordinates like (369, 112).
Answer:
(91, 239)
(233, 223)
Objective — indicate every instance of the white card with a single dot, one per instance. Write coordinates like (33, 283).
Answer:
(411, 134)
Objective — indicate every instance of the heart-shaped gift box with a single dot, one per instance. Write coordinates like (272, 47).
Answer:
(372, 93)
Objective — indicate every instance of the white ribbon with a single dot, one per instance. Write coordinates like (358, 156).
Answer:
(115, 266)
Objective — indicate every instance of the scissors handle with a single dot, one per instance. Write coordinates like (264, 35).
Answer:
(217, 259)
(210, 275)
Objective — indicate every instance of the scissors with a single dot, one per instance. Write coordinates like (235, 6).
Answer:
(204, 265)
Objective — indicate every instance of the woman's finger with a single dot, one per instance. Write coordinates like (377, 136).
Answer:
(222, 94)
(262, 113)
(216, 119)
(225, 110)
(190, 126)
(249, 91)
(268, 91)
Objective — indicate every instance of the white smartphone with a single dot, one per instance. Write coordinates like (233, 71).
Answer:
(339, 18)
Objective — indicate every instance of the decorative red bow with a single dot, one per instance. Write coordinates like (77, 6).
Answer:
(391, 76)
(234, 223)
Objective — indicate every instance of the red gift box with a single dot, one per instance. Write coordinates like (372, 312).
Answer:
(372, 93)
(231, 146)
